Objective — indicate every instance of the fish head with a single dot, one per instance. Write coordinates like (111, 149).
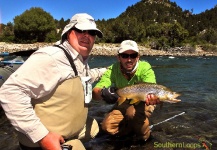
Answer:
(173, 95)
(170, 97)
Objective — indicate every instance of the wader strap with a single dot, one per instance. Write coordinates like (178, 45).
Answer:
(70, 59)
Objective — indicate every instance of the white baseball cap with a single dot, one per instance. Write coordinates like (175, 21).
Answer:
(128, 45)
(82, 21)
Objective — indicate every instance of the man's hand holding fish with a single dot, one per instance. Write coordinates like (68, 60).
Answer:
(131, 84)
(152, 100)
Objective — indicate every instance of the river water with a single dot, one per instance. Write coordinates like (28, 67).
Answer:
(193, 77)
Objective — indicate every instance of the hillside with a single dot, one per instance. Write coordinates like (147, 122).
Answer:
(160, 24)
(155, 24)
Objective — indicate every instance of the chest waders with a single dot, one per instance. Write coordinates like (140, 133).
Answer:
(63, 111)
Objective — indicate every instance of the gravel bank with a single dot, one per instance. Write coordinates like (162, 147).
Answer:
(109, 50)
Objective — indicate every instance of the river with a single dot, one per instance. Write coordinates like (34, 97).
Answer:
(193, 77)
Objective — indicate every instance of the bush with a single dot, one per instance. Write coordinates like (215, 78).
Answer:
(34, 25)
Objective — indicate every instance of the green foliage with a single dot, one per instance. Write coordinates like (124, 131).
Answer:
(209, 35)
(209, 47)
(7, 34)
(155, 23)
(34, 25)
(166, 35)
(106, 28)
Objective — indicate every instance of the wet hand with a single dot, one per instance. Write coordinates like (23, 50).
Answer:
(51, 141)
(111, 122)
(151, 99)
(130, 112)
(149, 110)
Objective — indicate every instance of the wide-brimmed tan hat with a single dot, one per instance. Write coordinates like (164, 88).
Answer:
(82, 21)
(128, 45)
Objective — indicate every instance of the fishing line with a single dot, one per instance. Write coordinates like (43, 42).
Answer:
(151, 126)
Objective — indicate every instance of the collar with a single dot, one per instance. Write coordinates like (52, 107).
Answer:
(129, 75)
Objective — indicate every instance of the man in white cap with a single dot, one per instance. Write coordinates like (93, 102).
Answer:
(46, 98)
(126, 118)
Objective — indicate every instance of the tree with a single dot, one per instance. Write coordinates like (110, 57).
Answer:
(7, 33)
(34, 25)
(209, 36)
(166, 34)
(177, 34)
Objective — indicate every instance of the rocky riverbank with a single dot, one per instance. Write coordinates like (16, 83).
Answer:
(111, 49)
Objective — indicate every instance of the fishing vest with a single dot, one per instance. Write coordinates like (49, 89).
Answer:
(63, 111)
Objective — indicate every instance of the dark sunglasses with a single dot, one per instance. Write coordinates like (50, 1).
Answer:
(124, 55)
(90, 32)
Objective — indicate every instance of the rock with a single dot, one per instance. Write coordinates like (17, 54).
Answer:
(107, 49)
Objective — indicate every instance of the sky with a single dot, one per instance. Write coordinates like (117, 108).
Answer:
(99, 9)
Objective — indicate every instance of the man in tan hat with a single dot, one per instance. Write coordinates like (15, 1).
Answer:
(126, 118)
(46, 98)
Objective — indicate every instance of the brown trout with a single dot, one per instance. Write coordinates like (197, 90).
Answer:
(139, 92)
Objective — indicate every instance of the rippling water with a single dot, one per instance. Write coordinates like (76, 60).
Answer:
(193, 77)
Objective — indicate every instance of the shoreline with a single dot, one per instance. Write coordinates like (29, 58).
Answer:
(106, 49)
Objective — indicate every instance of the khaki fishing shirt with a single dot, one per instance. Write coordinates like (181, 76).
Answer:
(36, 78)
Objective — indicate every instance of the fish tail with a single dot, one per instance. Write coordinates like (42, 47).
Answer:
(121, 100)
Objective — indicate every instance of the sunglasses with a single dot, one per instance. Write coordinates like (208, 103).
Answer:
(90, 32)
(124, 55)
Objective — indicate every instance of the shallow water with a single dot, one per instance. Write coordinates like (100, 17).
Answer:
(193, 77)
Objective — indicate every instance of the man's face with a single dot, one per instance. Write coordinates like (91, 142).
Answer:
(128, 59)
(82, 41)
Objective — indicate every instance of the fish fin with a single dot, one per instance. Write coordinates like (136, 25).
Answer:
(133, 101)
(121, 100)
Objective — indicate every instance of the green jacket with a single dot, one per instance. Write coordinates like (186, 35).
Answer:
(114, 77)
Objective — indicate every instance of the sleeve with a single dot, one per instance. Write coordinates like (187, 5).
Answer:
(34, 79)
(147, 73)
(96, 73)
(105, 80)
